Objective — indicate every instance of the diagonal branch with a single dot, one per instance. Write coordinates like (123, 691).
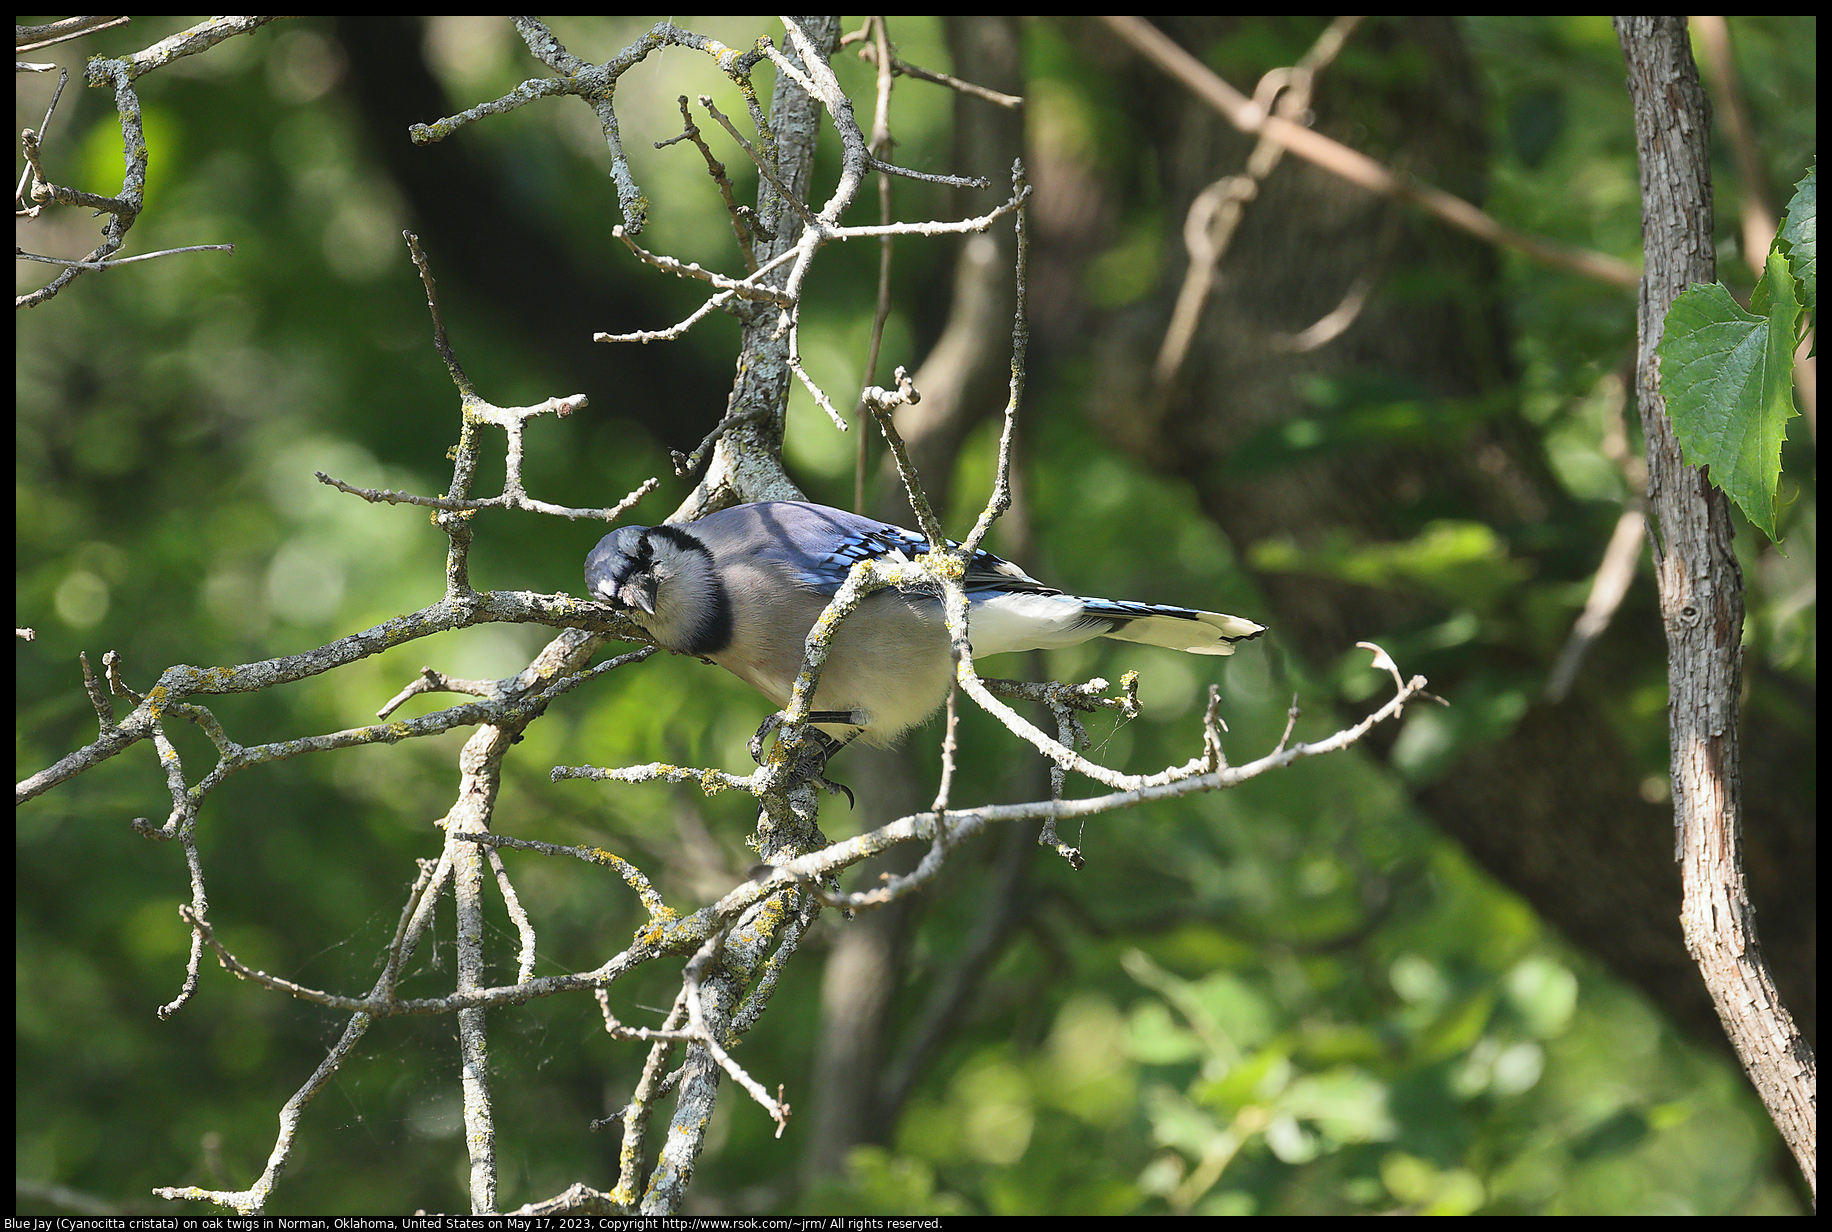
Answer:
(1352, 165)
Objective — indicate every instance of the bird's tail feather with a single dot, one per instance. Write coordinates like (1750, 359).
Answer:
(1213, 633)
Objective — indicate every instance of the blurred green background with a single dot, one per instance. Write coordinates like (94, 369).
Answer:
(1291, 998)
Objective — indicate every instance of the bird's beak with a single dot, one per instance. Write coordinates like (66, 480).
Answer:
(638, 595)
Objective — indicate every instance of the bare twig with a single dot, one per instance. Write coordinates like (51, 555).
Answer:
(690, 983)
(23, 255)
(743, 219)
(875, 53)
(1217, 211)
(880, 143)
(125, 207)
(29, 143)
(32, 38)
(762, 164)
(1352, 165)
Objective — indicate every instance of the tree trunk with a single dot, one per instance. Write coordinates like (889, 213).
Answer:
(1550, 803)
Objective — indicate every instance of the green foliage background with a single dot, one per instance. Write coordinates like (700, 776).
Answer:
(1291, 998)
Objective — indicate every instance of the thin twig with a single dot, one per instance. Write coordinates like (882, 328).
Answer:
(902, 68)
(690, 982)
(763, 168)
(102, 265)
(29, 143)
(31, 38)
(1353, 165)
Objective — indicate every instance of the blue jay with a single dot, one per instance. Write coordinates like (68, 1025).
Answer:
(742, 587)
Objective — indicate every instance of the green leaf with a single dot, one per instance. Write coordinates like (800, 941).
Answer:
(1800, 229)
(1728, 379)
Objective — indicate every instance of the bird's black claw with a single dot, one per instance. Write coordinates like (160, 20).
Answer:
(769, 725)
(838, 789)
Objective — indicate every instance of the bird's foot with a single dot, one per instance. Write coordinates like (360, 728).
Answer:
(811, 766)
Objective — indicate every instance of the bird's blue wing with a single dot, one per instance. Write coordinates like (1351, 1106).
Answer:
(848, 539)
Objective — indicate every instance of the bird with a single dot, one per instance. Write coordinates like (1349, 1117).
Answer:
(742, 587)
